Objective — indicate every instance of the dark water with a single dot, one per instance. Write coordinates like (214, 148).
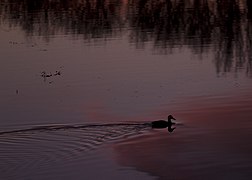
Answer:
(80, 80)
(62, 151)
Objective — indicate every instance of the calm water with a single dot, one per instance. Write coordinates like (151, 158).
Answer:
(80, 80)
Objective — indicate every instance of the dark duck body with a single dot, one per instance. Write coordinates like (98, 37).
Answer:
(163, 123)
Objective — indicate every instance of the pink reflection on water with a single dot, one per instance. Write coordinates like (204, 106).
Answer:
(213, 143)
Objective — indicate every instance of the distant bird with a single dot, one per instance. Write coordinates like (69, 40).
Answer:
(57, 73)
(45, 75)
(164, 124)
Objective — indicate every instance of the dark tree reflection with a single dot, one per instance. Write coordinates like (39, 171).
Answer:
(220, 27)
(92, 19)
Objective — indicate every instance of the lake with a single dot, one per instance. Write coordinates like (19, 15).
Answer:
(82, 80)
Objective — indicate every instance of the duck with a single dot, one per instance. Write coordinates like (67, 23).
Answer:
(163, 123)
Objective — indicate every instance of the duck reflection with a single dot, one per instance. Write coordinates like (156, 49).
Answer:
(164, 124)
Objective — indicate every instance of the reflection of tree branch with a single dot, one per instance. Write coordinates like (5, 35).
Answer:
(220, 26)
(91, 18)
(202, 25)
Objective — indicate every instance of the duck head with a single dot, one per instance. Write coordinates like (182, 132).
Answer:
(170, 117)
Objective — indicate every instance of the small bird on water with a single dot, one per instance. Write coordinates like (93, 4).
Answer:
(164, 124)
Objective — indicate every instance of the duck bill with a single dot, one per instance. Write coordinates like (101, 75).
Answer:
(173, 118)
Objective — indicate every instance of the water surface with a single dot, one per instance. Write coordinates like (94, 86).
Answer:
(70, 67)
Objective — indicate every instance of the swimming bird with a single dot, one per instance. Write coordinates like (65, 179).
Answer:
(163, 123)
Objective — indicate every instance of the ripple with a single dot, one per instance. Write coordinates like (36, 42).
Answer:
(42, 146)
